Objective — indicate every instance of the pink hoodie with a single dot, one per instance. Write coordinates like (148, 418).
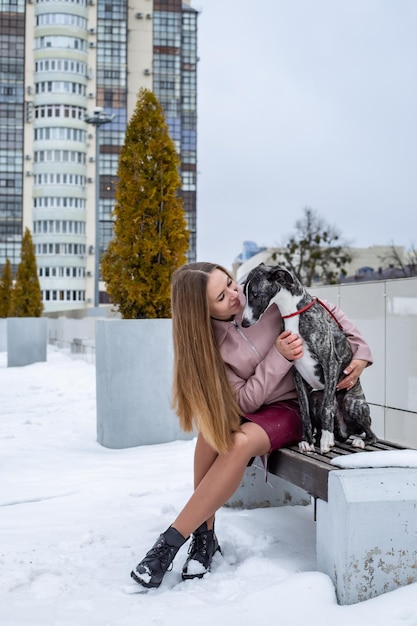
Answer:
(255, 368)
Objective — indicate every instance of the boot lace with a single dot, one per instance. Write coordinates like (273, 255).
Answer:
(163, 552)
(198, 546)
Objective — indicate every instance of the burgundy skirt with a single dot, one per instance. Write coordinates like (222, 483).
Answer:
(281, 422)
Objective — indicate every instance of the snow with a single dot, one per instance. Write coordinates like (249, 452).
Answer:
(76, 517)
(383, 458)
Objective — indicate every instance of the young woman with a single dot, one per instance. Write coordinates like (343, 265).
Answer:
(236, 388)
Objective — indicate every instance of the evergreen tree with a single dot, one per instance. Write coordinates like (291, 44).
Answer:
(27, 295)
(150, 233)
(6, 289)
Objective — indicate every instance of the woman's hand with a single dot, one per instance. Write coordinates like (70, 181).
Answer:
(352, 373)
(290, 345)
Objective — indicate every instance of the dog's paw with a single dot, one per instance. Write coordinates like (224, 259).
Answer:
(358, 442)
(326, 441)
(304, 446)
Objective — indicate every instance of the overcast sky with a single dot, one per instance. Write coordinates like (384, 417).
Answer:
(306, 103)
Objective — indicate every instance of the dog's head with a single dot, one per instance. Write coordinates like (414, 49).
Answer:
(262, 284)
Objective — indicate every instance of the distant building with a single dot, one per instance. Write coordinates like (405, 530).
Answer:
(250, 249)
(60, 59)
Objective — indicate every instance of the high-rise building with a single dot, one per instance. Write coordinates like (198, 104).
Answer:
(70, 72)
(12, 127)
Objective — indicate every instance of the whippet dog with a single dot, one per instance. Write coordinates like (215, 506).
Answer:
(325, 412)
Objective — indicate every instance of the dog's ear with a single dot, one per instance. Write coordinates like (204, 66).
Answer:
(280, 274)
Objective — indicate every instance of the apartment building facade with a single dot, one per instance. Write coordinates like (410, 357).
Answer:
(69, 77)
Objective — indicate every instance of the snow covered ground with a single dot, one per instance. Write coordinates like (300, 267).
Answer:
(76, 517)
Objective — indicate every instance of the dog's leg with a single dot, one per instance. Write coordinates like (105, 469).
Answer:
(307, 442)
(365, 419)
(341, 430)
(315, 403)
(328, 410)
(357, 416)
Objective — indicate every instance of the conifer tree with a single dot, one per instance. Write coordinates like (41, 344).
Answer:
(6, 289)
(27, 295)
(150, 233)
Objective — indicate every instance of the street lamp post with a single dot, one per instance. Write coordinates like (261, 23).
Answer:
(99, 118)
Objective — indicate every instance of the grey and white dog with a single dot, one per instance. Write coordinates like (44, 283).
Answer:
(325, 412)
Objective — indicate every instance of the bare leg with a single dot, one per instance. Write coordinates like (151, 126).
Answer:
(218, 476)
(216, 479)
(204, 457)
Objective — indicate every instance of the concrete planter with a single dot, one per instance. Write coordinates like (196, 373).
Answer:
(134, 362)
(26, 340)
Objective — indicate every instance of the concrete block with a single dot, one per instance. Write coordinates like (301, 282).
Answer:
(254, 492)
(367, 531)
(26, 340)
(134, 367)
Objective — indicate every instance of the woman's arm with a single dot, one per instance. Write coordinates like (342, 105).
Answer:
(271, 380)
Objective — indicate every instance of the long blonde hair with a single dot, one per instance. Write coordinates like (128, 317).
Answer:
(202, 395)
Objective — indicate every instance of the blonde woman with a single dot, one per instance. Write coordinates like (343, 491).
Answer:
(235, 387)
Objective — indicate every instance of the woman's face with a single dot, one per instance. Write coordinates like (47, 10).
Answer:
(222, 295)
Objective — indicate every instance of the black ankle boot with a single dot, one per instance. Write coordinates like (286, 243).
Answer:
(151, 570)
(203, 547)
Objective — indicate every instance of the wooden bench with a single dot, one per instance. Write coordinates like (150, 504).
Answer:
(366, 522)
(310, 470)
